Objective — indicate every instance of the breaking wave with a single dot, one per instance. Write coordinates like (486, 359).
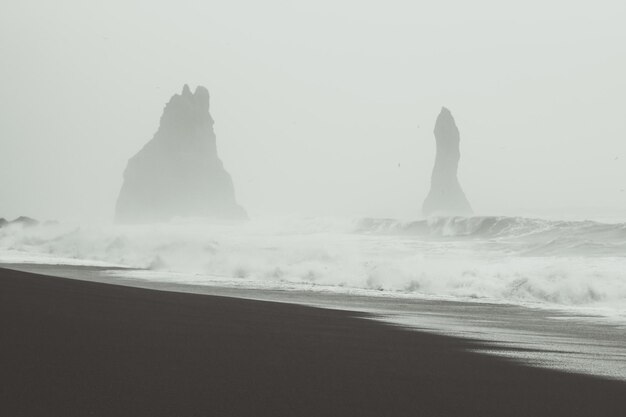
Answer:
(529, 236)
(505, 259)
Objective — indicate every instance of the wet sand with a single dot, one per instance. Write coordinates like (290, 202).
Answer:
(77, 348)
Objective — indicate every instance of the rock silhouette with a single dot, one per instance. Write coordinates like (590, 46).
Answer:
(22, 220)
(178, 173)
(446, 197)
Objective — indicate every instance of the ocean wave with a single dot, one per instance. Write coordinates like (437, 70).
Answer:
(530, 236)
(506, 259)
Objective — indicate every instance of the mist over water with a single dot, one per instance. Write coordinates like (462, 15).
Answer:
(336, 124)
(573, 264)
(332, 122)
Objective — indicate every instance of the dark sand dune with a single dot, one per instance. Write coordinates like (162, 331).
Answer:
(74, 348)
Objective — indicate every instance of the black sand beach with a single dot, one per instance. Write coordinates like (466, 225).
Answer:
(75, 348)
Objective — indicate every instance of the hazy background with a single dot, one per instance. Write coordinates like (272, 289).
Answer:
(321, 108)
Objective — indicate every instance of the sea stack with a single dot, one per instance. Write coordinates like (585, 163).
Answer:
(446, 197)
(178, 173)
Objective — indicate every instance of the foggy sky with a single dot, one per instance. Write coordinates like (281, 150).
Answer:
(321, 108)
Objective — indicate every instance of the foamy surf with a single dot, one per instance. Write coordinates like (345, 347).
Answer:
(563, 264)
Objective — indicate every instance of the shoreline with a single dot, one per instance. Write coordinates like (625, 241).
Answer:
(75, 347)
(125, 275)
(542, 337)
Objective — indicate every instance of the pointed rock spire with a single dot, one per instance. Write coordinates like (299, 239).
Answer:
(446, 197)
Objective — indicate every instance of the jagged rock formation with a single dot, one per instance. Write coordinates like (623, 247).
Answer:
(22, 220)
(178, 173)
(446, 197)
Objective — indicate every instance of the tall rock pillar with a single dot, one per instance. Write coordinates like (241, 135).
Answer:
(446, 197)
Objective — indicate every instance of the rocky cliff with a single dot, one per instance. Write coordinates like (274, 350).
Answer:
(446, 197)
(178, 173)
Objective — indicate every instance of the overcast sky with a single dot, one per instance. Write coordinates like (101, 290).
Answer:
(320, 107)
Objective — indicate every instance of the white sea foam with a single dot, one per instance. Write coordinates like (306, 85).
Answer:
(504, 259)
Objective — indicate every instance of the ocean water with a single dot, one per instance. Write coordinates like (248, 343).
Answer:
(579, 265)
